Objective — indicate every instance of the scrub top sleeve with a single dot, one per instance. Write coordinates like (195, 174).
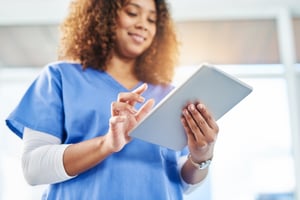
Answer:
(41, 107)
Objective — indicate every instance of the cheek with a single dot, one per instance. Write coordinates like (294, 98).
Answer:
(152, 34)
(124, 21)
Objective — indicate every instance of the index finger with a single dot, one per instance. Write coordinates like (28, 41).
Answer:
(142, 88)
(132, 97)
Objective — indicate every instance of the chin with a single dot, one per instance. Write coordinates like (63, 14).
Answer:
(135, 54)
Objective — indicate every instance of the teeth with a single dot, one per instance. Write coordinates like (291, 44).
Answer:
(138, 38)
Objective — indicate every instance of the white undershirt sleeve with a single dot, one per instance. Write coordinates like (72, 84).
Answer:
(42, 158)
(187, 188)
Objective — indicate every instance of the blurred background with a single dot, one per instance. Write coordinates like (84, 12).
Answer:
(258, 150)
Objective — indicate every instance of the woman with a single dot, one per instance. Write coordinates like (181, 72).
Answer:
(117, 60)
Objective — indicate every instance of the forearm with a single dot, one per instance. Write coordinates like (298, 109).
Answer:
(84, 155)
(192, 174)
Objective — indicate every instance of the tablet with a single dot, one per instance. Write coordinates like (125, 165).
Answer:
(217, 90)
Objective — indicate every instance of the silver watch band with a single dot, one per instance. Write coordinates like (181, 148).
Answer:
(202, 165)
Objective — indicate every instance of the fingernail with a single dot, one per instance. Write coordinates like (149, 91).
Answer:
(185, 112)
(191, 107)
(200, 106)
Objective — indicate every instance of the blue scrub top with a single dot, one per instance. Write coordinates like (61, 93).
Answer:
(74, 105)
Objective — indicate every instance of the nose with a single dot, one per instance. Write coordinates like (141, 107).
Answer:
(142, 24)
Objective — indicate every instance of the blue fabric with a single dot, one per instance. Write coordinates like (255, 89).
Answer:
(74, 105)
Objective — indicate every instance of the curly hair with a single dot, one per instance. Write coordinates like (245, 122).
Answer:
(88, 36)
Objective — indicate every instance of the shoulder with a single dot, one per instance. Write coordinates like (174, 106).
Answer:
(59, 69)
(62, 65)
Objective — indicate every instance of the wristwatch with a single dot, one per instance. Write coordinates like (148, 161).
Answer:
(202, 165)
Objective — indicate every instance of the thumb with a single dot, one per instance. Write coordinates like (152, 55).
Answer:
(145, 109)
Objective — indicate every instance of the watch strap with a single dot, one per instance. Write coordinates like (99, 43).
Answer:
(202, 165)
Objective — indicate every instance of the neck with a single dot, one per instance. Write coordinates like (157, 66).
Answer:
(122, 70)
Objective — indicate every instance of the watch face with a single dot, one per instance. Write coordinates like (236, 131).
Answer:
(204, 164)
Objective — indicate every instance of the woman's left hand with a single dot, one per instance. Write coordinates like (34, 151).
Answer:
(201, 130)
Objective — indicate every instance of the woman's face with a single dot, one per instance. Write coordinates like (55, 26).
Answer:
(136, 28)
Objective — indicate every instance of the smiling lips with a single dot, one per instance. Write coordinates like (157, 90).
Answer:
(137, 38)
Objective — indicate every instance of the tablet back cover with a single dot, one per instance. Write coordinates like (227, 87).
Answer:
(216, 89)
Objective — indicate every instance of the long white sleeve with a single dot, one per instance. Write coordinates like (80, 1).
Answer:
(42, 158)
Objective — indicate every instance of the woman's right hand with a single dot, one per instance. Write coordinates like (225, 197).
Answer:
(124, 117)
(84, 155)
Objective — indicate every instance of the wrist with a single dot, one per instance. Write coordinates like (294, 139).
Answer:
(105, 146)
(199, 165)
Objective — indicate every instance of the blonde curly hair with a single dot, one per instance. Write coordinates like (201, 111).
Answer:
(88, 36)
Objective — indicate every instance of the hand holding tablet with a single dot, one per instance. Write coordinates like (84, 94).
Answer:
(218, 90)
